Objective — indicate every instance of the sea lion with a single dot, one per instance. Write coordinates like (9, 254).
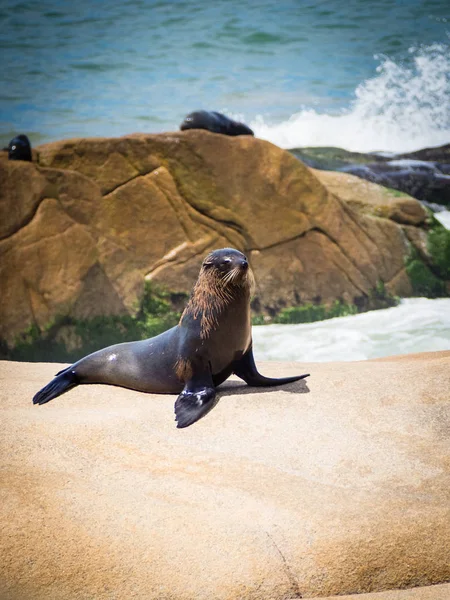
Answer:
(215, 122)
(19, 148)
(211, 341)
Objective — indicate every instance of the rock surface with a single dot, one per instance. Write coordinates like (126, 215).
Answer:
(432, 592)
(369, 198)
(337, 486)
(82, 229)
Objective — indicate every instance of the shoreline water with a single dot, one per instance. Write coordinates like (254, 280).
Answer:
(416, 325)
(399, 109)
(443, 217)
(355, 76)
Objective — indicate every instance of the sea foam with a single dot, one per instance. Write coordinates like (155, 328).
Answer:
(416, 325)
(444, 218)
(404, 107)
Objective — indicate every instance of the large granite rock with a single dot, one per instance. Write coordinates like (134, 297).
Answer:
(83, 228)
(369, 198)
(337, 486)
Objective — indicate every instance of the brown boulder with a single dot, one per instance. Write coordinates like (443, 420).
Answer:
(86, 226)
(276, 493)
(372, 199)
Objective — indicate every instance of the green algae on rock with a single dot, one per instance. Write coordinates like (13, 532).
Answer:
(68, 339)
(430, 278)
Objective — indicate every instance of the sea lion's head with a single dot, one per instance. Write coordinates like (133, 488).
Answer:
(225, 277)
(200, 119)
(19, 148)
(229, 267)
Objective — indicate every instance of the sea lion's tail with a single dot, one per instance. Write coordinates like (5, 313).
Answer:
(63, 381)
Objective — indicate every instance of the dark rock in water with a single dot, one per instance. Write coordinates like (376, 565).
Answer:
(436, 208)
(215, 122)
(420, 179)
(438, 154)
(19, 148)
(424, 174)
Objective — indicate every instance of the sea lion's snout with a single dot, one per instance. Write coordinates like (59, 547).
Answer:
(231, 267)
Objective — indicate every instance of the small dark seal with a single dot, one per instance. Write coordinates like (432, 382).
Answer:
(19, 148)
(211, 341)
(215, 122)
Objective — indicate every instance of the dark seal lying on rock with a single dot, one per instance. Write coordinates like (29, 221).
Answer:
(215, 122)
(212, 341)
(19, 148)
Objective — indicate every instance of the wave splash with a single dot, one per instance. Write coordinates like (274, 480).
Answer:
(403, 108)
(416, 325)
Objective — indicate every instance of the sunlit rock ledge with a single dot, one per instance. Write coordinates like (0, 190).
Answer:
(337, 486)
(82, 228)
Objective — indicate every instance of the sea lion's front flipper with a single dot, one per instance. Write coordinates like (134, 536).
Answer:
(195, 400)
(245, 368)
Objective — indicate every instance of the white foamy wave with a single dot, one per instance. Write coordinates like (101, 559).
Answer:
(401, 109)
(444, 218)
(416, 325)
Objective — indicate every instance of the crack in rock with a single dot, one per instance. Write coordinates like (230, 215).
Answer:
(292, 580)
(332, 241)
(120, 185)
(26, 220)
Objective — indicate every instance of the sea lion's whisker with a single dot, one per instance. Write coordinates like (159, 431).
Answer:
(231, 275)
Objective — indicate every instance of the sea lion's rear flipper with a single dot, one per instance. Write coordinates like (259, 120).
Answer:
(197, 399)
(245, 368)
(64, 381)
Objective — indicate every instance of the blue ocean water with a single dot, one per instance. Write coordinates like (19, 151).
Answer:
(356, 74)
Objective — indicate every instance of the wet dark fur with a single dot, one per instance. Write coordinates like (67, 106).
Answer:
(19, 148)
(215, 122)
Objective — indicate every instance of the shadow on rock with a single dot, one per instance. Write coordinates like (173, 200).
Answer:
(233, 388)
